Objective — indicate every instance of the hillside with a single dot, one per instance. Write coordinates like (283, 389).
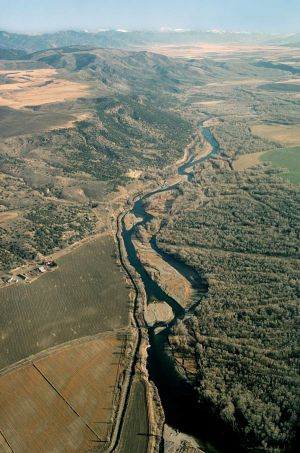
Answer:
(94, 115)
(120, 69)
(111, 124)
(12, 54)
(84, 129)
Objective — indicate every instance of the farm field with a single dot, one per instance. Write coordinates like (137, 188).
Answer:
(37, 87)
(288, 158)
(285, 158)
(284, 134)
(248, 160)
(200, 50)
(234, 228)
(86, 295)
(135, 430)
(63, 400)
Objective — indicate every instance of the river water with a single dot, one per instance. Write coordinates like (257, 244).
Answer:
(178, 397)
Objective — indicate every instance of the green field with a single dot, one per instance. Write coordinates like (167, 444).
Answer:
(288, 158)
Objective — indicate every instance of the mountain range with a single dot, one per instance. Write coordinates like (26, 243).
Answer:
(130, 40)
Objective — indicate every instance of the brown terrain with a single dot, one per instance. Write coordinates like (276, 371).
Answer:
(171, 281)
(60, 412)
(43, 401)
(247, 160)
(37, 87)
(203, 50)
(158, 312)
(281, 133)
(5, 216)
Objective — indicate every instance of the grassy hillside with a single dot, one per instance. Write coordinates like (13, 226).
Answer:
(15, 122)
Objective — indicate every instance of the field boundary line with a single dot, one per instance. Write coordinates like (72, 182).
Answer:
(6, 441)
(46, 352)
(65, 401)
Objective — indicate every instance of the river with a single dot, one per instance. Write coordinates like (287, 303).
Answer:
(178, 397)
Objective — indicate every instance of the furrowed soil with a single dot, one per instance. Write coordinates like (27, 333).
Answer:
(135, 431)
(63, 400)
(86, 295)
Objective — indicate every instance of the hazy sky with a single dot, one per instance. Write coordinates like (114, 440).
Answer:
(245, 15)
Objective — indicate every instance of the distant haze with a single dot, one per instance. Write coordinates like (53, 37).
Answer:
(276, 16)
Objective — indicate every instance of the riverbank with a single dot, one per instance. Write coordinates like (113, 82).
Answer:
(146, 288)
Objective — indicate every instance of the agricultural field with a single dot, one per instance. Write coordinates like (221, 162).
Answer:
(38, 100)
(86, 295)
(135, 431)
(21, 88)
(287, 158)
(64, 399)
(248, 160)
(287, 135)
(131, 117)
(224, 50)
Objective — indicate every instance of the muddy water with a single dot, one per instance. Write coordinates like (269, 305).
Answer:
(179, 399)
